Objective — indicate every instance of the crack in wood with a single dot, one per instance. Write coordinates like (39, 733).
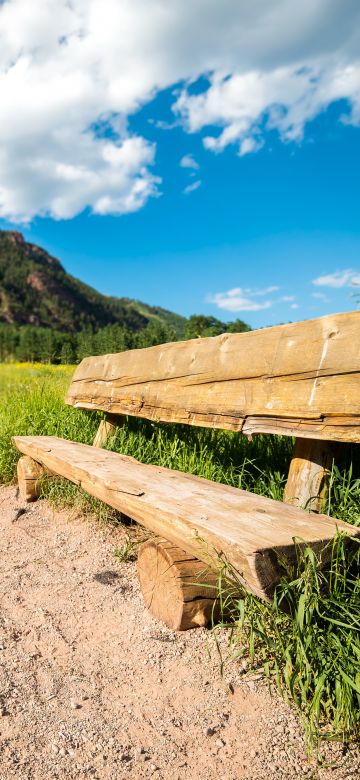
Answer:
(316, 373)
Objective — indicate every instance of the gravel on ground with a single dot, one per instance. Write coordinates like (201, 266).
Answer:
(91, 686)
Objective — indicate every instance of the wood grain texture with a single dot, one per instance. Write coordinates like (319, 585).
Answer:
(300, 380)
(29, 474)
(177, 588)
(107, 429)
(309, 472)
(204, 518)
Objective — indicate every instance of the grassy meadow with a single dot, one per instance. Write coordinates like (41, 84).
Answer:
(311, 649)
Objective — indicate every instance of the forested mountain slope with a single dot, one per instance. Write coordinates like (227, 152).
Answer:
(36, 290)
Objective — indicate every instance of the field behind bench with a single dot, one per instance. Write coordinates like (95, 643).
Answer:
(313, 652)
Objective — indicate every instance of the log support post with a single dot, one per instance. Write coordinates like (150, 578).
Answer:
(309, 473)
(107, 429)
(178, 589)
(29, 474)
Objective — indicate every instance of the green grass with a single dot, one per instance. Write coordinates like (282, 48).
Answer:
(307, 640)
(311, 650)
(32, 403)
(127, 552)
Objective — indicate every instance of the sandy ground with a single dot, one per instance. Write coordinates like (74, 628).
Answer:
(92, 687)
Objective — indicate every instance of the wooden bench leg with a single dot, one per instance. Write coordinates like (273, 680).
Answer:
(177, 588)
(308, 474)
(29, 474)
(107, 429)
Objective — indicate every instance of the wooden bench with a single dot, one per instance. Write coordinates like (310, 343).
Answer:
(300, 380)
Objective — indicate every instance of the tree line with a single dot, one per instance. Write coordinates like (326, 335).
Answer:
(27, 343)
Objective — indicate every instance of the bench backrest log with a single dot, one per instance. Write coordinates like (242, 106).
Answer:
(300, 380)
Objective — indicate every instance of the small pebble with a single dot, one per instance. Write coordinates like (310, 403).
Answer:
(224, 716)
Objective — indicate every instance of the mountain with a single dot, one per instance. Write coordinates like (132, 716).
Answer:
(35, 289)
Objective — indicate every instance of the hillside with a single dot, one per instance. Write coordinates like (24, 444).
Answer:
(36, 290)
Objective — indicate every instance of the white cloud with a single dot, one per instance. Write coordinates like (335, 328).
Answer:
(192, 187)
(188, 162)
(289, 67)
(241, 299)
(265, 291)
(71, 69)
(250, 145)
(284, 98)
(63, 179)
(345, 278)
(320, 297)
(246, 299)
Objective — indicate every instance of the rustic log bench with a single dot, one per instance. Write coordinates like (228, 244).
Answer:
(301, 380)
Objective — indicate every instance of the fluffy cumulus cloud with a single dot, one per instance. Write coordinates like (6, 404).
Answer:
(346, 278)
(243, 299)
(63, 139)
(71, 74)
(284, 99)
(188, 161)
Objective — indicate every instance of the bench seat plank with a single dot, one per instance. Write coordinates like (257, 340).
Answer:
(202, 517)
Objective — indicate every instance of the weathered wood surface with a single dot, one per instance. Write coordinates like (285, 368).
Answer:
(177, 588)
(29, 474)
(107, 429)
(204, 518)
(309, 472)
(301, 379)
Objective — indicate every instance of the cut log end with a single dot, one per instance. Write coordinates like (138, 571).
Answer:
(29, 474)
(178, 589)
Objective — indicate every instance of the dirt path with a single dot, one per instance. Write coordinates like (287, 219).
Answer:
(92, 687)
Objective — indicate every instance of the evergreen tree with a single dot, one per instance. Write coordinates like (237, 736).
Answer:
(237, 326)
(67, 354)
(47, 345)
(200, 326)
(85, 344)
(155, 333)
(27, 349)
(29, 343)
(9, 341)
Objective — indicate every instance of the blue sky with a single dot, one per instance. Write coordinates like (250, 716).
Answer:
(211, 199)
